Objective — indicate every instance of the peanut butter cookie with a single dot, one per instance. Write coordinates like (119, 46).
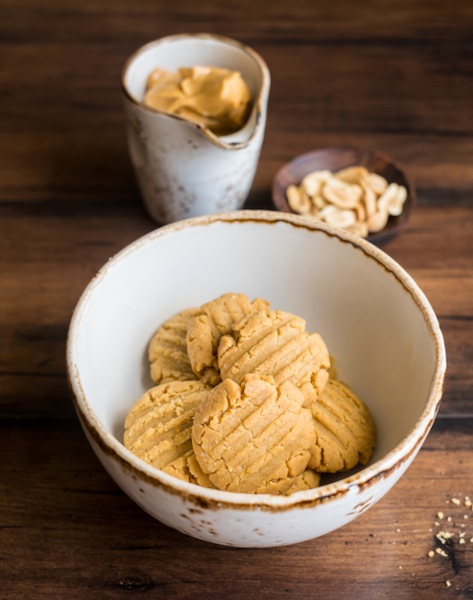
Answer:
(275, 343)
(167, 351)
(188, 469)
(305, 481)
(158, 427)
(215, 318)
(345, 430)
(254, 437)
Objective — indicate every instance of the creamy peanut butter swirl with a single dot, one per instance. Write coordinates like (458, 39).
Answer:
(213, 97)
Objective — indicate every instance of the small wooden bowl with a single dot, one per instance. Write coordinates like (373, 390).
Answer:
(335, 159)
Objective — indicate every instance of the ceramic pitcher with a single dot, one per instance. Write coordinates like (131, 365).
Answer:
(183, 169)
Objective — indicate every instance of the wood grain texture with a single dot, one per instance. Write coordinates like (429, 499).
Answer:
(392, 76)
(77, 534)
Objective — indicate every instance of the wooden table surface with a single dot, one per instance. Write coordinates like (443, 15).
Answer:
(394, 76)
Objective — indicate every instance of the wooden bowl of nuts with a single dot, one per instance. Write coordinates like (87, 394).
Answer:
(361, 191)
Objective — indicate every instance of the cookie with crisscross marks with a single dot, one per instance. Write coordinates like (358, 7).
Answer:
(158, 427)
(345, 430)
(275, 343)
(307, 480)
(167, 351)
(254, 437)
(214, 319)
(188, 469)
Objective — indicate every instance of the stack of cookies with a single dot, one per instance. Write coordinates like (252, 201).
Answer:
(245, 400)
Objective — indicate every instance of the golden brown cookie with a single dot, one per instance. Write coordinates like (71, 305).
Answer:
(188, 469)
(216, 318)
(275, 343)
(167, 351)
(254, 437)
(158, 427)
(305, 481)
(345, 430)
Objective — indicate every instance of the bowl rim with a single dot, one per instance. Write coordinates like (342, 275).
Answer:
(380, 237)
(404, 451)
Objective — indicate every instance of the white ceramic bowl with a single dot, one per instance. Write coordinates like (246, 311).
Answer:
(374, 318)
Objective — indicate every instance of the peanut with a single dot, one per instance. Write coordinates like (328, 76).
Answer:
(352, 198)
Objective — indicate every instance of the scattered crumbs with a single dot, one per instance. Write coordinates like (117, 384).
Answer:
(443, 536)
(398, 530)
(400, 567)
(449, 531)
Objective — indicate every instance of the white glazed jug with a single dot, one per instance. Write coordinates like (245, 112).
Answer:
(182, 169)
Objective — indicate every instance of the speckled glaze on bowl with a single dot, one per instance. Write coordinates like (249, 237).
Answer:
(374, 318)
(337, 158)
